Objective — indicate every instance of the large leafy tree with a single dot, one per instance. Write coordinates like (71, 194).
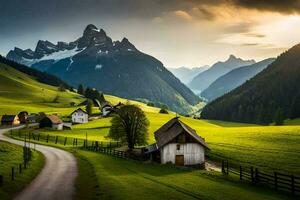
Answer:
(130, 125)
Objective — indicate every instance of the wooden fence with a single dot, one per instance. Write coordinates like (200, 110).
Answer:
(65, 141)
(107, 150)
(278, 181)
(15, 170)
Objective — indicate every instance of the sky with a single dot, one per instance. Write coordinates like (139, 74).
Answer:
(189, 33)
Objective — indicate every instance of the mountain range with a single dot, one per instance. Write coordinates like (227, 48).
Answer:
(272, 94)
(204, 79)
(113, 67)
(233, 79)
(186, 74)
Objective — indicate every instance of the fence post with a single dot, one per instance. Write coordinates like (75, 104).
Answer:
(20, 168)
(293, 184)
(241, 173)
(65, 142)
(227, 167)
(47, 138)
(275, 180)
(56, 138)
(223, 168)
(256, 175)
(12, 173)
(76, 142)
(252, 174)
(1, 180)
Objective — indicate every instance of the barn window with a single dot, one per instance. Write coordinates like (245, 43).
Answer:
(178, 146)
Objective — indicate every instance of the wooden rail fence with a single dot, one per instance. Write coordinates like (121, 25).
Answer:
(276, 180)
(71, 141)
(21, 166)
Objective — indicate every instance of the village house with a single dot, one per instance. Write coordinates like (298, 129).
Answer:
(107, 108)
(79, 116)
(179, 144)
(32, 118)
(52, 121)
(23, 117)
(10, 120)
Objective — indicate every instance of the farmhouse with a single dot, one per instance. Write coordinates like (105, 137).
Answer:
(52, 121)
(179, 144)
(107, 108)
(10, 120)
(79, 116)
(23, 117)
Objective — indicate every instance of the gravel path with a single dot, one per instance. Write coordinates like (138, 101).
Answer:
(57, 178)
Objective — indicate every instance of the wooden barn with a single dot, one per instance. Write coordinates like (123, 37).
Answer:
(52, 121)
(23, 117)
(10, 120)
(179, 144)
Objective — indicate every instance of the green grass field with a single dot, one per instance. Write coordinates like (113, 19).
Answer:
(266, 147)
(11, 156)
(124, 179)
(19, 92)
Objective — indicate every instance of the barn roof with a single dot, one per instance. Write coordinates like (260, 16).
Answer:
(172, 129)
(78, 110)
(54, 119)
(8, 118)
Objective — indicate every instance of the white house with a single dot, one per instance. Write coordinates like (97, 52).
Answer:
(79, 116)
(179, 144)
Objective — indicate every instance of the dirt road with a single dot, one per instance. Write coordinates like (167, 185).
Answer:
(57, 178)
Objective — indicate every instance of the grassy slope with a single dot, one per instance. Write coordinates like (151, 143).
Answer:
(12, 155)
(118, 178)
(19, 91)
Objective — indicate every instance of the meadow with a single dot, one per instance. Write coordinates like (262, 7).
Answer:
(12, 156)
(118, 178)
(270, 148)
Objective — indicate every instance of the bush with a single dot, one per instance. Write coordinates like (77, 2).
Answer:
(164, 111)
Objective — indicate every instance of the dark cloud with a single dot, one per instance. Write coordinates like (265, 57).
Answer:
(282, 6)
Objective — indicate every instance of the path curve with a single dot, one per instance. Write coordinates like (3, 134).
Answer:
(57, 178)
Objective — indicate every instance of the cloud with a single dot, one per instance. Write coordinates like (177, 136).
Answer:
(281, 6)
(183, 15)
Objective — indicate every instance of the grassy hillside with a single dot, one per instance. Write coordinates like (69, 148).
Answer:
(19, 91)
(12, 155)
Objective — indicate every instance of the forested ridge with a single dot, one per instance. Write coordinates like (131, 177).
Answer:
(273, 94)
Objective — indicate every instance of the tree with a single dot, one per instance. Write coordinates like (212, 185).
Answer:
(80, 89)
(130, 125)
(89, 107)
(279, 118)
(62, 88)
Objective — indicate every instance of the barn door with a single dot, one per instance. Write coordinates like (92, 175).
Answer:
(179, 160)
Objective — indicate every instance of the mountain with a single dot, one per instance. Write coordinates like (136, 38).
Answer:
(273, 93)
(233, 79)
(37, 75)
(113, 67)
(204, 79)
(186, 74)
